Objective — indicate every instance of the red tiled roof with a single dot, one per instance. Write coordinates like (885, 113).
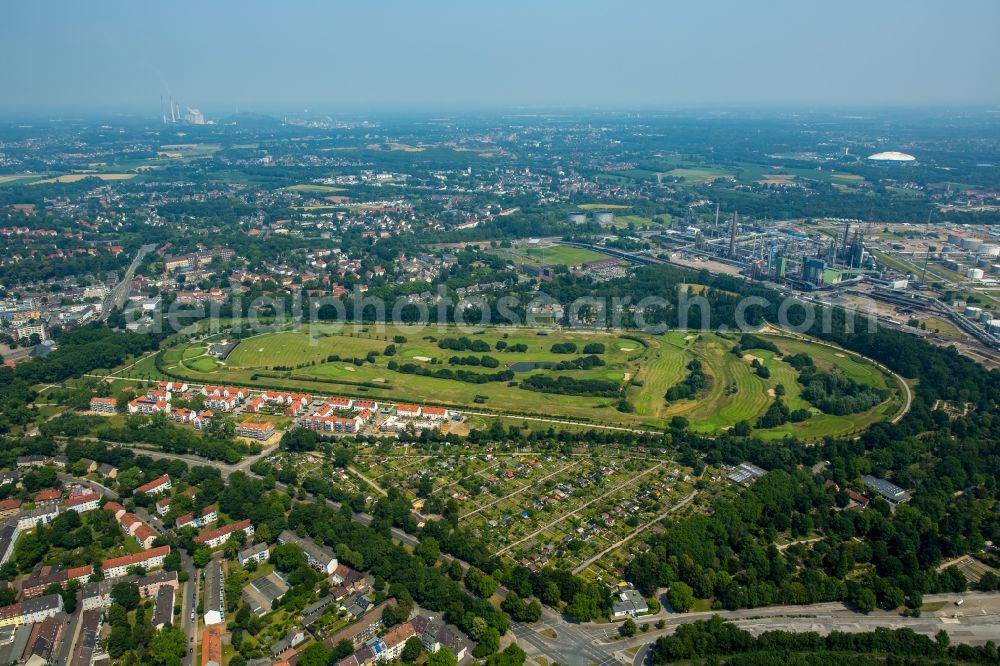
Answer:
(135, 558)
(146, 487)
(82, 499)
(222, 531)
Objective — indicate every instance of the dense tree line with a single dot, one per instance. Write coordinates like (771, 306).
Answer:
(564, 385)
(715, 638)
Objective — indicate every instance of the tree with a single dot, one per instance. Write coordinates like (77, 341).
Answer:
(120, 640)
(681, 597)
(480, 583)
(412, 649)
(117, 616)
(343, 648)
(428, 550)
(126, 595)
(443, 657)
(628, 628)
(583, 607)
(316, 654)
(512, 655)
(167, 647)
(201, 557)
(864, 599)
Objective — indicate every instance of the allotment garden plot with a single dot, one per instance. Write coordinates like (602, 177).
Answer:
(542, 509)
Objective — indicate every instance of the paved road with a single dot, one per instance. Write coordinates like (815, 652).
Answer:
(975, 622)
(116, 297)
(70, 630)
(189, 603)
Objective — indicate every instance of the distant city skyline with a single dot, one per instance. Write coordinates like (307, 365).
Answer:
(270, 57)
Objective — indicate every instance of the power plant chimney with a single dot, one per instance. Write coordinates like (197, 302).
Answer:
(732, 237)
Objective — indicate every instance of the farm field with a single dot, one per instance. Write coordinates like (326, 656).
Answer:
(13, 178)
(348, 361)
(76, 177)
(312, 187)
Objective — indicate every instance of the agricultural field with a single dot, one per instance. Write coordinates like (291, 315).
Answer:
(76, 177)
(313, 187)
(640, 368)
(18, 178)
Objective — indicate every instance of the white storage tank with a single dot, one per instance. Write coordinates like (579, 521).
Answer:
(972, 244)
(989, 250)
(972, 312)
(986, 316)
(604, 217)
(993, 327)
(576, 218)
(995, 268)
(955, 239)
(974, 273)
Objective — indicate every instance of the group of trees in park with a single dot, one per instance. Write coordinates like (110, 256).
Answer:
(485, 361)
(692, 386)
(838, 394)
(217, 442)
(80, 351)
(580, 363)
(778, 414)
(467, 376)
(565, 385)
(463, 344)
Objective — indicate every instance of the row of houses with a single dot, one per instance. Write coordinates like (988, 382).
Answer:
(97, 594)
(117, 567)
(220, 535)
(319, 558)
(339, 424)
(207, 516)
(30, 611)
(132, 525)
(433, 633)
(34, 586)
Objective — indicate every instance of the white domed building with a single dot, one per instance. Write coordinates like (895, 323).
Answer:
(892, 156)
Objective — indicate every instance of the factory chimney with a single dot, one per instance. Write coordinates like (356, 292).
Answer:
(732, 237)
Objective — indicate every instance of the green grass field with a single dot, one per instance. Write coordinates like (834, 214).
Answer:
(549, 255)
(645, 366)
(312, 187)
(600, 206)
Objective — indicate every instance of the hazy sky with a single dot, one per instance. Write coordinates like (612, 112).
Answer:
(370, 54)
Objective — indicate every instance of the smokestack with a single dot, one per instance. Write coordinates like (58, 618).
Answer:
(173, 118)
(732, 237)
